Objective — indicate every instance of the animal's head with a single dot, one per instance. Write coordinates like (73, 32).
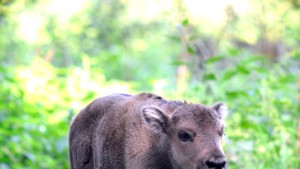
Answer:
(194, 134)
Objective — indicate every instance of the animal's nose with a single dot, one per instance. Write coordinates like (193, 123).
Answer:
(216, 162)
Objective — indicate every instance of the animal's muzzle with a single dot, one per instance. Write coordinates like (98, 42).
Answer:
(216, 162)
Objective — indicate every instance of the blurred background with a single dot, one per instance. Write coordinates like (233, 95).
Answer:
(57, 56)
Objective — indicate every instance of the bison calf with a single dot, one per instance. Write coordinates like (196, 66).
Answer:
(145, 131)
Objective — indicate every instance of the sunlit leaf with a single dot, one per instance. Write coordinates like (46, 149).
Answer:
(242, 69)
(185, 22)
(228, 74)
(236, 94)
(210, 77)
(214, 59)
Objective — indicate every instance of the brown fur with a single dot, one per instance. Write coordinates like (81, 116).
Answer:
(141, 132)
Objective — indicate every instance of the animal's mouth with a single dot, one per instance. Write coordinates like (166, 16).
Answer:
(207, 167)
(216, 167)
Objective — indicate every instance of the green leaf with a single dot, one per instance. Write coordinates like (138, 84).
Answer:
(236, 94)
(228, 75)
(242, 69)
(190, 50)
(233, 52)
(210, 77)
(214, 59)
(185, 22)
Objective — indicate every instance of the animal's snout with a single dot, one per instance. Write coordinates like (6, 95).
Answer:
(216, 162)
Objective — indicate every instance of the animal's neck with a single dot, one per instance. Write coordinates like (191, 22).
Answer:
(160, 153)
(173, 161)
(167, 153)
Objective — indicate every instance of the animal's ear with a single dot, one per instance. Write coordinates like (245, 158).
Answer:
(155, 119)
(221, 110)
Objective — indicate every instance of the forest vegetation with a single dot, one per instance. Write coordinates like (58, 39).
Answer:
(57, 56)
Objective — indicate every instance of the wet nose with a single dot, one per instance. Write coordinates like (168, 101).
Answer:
(216, 162)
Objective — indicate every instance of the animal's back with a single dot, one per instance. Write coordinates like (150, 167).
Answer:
(109, 133)
(83, 129)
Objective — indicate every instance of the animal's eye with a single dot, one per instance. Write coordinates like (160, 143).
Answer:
(184, 137)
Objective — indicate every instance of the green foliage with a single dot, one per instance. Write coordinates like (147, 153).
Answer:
(44, 82)
(26, 126)
(38, 102)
